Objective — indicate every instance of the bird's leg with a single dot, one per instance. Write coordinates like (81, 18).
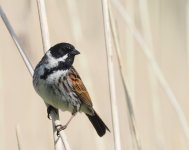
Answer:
(62, 127)
(49, 109)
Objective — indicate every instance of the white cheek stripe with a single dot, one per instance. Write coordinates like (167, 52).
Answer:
(63, 58)
(53, 62)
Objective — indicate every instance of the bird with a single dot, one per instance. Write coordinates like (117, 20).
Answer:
(58, 83)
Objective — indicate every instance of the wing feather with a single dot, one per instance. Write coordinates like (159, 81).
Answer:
(78, 87)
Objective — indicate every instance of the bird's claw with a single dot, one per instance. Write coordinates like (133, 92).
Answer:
(60, 128)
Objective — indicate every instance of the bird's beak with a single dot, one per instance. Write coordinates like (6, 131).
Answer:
(75, 52)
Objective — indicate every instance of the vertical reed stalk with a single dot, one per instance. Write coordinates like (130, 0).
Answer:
(58, 143)
(18, 137)
(131, 115)
(43, 24)
(130, 52)
(157, 71)
(109, 49)
(156, 108)
(74, 17)
(187, 23)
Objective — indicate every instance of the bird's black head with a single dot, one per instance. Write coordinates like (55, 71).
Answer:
(64, 53)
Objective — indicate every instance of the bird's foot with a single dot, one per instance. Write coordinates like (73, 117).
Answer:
(60, 128)
(49, 109)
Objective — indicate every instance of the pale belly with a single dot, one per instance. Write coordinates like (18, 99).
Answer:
(56, 97)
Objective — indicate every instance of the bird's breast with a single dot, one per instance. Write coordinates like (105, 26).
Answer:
(56, 91)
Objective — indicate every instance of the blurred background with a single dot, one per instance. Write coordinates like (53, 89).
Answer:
(162, 117)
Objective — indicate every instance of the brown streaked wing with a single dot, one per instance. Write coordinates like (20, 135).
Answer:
(79, 87)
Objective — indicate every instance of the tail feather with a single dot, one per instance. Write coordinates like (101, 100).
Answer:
(98, 124)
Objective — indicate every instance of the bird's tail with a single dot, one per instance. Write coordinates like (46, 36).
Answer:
(98, 124)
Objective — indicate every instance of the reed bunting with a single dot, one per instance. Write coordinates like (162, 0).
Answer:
(60, 86)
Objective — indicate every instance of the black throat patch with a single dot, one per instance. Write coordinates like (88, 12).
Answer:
(61, 66)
